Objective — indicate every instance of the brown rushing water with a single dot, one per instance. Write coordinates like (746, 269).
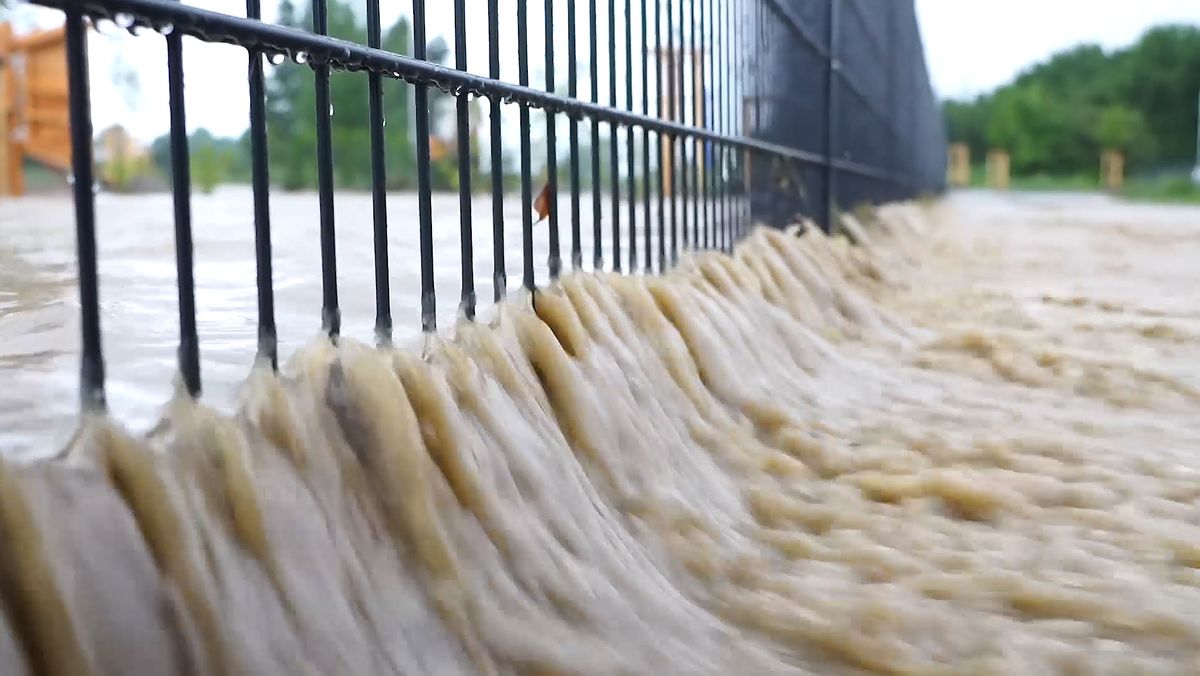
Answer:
(970, 447)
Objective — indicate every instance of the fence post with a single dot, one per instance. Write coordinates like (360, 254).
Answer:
(91, 368)
(831, 112)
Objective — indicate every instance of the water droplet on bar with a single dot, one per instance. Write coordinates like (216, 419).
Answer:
(124, 20)
(301, 58)
(165, 29)
(274, 58)
(331, 110)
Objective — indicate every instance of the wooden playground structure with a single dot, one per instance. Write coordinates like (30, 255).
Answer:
(34, 122)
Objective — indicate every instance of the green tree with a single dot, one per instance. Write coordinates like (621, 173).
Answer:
(213, 160)
(292, 111)
(1056, 116)
(1159, 77)
(1120, 128)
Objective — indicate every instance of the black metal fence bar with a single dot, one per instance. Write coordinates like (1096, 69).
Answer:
(91, 372)
(704, 93)
(466, 302)
(383, 297)
(647, 224)
(424, 180)
(499, 273)
(268, 341)
(527, 277)
(555, 258)
(730, 151)
(659, 145)
(572, 92)
(693, 142)
(331, 319)
(722, 81)
(714, 90)
(831, 114)
(630, 157)
(682, 58)
(614, 133)
(672, 139)
(597, 187)
(181, 192)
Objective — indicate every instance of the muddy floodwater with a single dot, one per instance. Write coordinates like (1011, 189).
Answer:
(969, 446)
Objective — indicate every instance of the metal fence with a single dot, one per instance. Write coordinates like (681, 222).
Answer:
(744, 111)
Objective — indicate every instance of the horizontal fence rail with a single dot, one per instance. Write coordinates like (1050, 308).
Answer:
(737, 110)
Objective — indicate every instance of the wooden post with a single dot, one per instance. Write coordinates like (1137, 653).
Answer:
(7, 112)
(666, 167)
(997, 169)
(959, 165)
(34, 120)
(1112, 170)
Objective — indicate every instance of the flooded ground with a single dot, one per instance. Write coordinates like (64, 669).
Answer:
(969, 447)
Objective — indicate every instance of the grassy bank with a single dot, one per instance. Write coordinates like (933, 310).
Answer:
(1167, 189)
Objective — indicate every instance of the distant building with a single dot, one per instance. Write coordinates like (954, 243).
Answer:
(122, 160)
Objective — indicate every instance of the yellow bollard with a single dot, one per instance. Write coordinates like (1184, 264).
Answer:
(997, 169)
(959, 165)
(1112, 170)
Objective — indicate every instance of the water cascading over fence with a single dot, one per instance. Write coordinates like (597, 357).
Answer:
(599, 481)
(760, 111)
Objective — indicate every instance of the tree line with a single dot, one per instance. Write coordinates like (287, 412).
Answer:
(291, 125)
(1057, 117)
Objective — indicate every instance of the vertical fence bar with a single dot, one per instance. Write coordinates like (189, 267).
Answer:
(719, 90)
(630, 159)
(331, 319)
(739, 69)
(91, 367)
(424, 184)
(682, 100)
(466, 303)
(661, 147)
(891, 57)
(499, 273)
(573, 92)
(672, 139)
(697, 121)
(268, 341)
(748, 66)
(728, 97)
(527, 278)
(747, 92)
(646, 191)
(597, 236)
(181, 192)
(703, 147)
(709, 101)
(383, 300)
(555, 257)
(613, 134)
(759, 92)
(831, 112)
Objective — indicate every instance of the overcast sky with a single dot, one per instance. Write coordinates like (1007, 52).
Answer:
(972, 46)
(975, 45)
